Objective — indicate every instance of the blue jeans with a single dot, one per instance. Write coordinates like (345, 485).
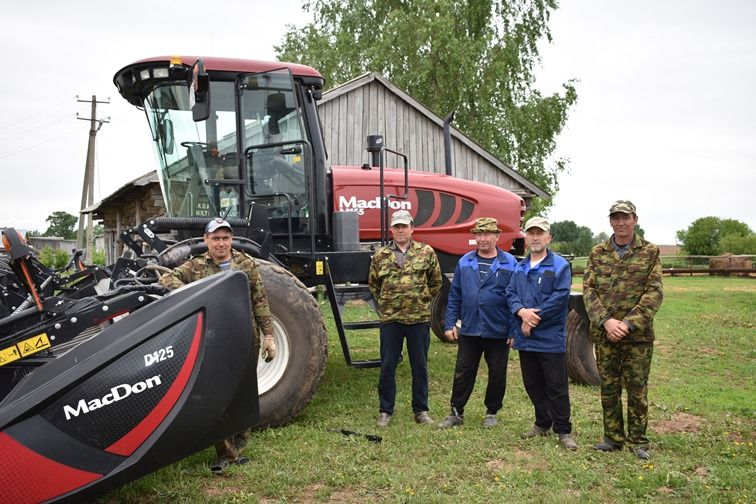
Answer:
(392, 340)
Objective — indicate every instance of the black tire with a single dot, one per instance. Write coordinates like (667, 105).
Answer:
(288, 383)
(581, 358)
(438, 311)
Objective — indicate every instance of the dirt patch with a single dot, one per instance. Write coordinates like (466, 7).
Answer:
(709, 351)
(680, 422)
(522, 460)
(337, 496)
(220, 486)
(664, 491)
(702, 472)
(739, 437)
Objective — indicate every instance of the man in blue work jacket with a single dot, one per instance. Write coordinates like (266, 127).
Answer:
(478, 298)
(538, 295)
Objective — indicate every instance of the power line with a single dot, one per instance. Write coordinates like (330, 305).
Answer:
(32, 130)
(38, 144)
(30, 116)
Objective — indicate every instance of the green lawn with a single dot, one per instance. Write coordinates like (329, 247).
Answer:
(703, 429)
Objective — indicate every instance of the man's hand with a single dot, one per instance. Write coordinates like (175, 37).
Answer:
(268, 348)
(525, 327)
(616, 330)
(451, 334)
(529, 317)
(510, 342)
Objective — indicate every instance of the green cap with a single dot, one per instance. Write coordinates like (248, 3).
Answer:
(622, 206)
(485, 225)
(538, 222)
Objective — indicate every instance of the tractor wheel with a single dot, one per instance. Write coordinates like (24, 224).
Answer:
(438, 310)
(581, 359)
(287, 383)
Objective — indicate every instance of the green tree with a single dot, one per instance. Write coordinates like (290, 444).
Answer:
(600, 238)
(54, 258)
(569, 238)
(704, 236)
(476, 58)
(737, 244)
(61, 224)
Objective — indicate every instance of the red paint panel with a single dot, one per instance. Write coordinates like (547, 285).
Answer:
(27, 476)
(136, 436)
(358, 190)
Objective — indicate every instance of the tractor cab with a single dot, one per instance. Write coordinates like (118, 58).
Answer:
(229, 135)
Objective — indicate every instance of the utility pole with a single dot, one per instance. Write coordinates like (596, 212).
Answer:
(87, 191)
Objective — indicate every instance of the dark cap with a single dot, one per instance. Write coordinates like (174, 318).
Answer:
(216, 224)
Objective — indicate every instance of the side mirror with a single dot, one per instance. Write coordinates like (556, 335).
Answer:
(166, 132)
(199, 92)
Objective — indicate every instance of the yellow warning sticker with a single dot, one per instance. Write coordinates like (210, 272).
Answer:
(318, 267)
(34, 344)
(8, 355)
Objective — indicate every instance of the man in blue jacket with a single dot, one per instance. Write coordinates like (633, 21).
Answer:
(478, 298)
(538, 295)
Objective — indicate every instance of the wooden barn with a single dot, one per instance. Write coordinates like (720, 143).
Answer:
(130, 205)
(367, 105)
(372, 105)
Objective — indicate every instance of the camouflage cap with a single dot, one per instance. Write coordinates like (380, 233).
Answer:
(401, 217)
(538, 222)
(216, 224)
(622, 206)
(485, 225)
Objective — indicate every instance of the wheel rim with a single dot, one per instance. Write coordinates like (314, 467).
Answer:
(270, 373)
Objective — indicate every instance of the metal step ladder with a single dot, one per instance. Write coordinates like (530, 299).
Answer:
(336, 296)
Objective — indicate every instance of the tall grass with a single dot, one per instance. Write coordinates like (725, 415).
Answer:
(703, 428)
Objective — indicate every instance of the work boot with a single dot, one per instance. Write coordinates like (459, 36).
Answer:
(383, 420)
(607, 445)
(535, 431)
(422, 417)
(641, 453)
(220, 465)
(568, 442)
(452, 420)
(489, 420)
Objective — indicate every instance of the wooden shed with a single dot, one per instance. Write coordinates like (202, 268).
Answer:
(130, 205)
(372, 105)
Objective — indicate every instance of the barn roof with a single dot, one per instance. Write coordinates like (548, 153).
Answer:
(367, 78)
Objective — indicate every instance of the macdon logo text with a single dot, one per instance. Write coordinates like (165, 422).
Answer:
(117, 393)
(352, 204)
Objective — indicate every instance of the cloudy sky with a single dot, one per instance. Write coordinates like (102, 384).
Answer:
(666, 115)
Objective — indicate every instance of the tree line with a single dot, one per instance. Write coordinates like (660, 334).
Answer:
(708, 236)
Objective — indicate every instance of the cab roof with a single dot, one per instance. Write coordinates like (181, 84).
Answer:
(133, 88)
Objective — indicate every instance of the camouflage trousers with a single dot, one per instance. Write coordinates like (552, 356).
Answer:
(230, 448)
(625, 365)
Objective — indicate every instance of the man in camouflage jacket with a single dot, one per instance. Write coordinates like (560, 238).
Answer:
(221, 257)
(404, 276)
(622, 290)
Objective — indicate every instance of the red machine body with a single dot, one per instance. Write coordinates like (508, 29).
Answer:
(443, 207)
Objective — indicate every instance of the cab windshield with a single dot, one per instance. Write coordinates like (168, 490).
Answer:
(201, 173)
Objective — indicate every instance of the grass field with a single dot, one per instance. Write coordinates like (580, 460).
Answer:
(703, 429)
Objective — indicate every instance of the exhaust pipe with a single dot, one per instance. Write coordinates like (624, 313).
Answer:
(447, 144)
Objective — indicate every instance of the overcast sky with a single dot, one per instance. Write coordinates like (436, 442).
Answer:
(665, 117)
